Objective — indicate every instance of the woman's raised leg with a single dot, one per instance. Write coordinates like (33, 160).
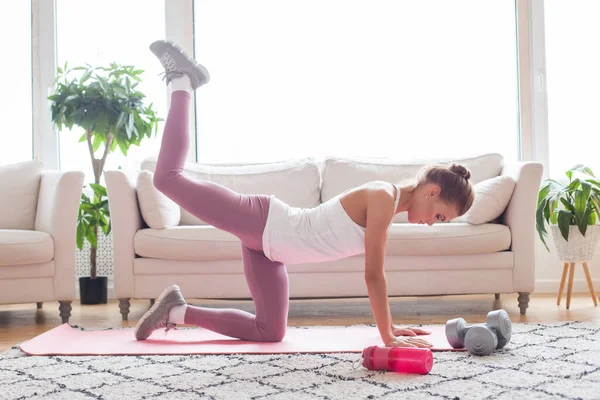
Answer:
(242, 215)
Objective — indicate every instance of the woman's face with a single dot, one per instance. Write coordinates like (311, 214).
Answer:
(427, 208)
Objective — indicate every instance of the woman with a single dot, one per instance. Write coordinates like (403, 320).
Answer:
(272, 233)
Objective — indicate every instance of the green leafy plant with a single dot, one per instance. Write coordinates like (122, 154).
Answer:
(567, 203)
(106, 104)
(93, 214)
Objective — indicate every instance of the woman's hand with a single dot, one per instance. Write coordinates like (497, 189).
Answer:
(408, 342)
(409, 331)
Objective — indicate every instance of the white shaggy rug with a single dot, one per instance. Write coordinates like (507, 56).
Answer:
(542, 361)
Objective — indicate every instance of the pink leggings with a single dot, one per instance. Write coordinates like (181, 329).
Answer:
(240, 214)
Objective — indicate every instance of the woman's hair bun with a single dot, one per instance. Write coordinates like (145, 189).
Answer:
(461, 170)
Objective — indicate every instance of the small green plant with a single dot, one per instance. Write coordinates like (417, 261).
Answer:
(567, 203)
(106, 104)
(94, 214)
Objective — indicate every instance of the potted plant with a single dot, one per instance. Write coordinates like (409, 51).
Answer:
(104, 102)
(570, 208)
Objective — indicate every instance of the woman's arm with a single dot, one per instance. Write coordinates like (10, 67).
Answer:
(379, 215)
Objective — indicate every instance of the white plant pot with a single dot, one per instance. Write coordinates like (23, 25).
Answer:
(578, 248)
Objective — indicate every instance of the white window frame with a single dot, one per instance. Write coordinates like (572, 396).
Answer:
(533, 96)
(43, 45)
(179, 25)
(179, 16)
(46, 142)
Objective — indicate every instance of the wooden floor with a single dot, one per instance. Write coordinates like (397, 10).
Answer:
(20, 322)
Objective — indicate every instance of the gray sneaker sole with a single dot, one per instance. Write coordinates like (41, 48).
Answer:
(197, 72)
(153, 315)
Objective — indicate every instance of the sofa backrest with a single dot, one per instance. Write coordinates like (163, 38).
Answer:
(20, 184)
(307, 182)
(296, 182)
(339, 174)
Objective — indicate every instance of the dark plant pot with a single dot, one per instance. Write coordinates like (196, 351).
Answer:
(93, 291)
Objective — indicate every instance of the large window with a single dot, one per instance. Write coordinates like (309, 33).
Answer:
(382, 78)
(119, 31)
(15, 103)
(573, 65)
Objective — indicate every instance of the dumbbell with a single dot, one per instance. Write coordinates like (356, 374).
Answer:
(500, 323)
(456, 329)
(480, 339)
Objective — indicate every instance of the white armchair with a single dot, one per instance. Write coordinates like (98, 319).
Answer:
(38, 222)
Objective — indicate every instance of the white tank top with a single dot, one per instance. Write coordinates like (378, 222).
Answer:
(294, 235)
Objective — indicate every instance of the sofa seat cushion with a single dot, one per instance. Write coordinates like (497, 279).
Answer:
(201, 242)
(447, 239)
(205, 242)
(21, 247)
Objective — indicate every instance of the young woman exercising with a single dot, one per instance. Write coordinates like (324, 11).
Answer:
(274, 234)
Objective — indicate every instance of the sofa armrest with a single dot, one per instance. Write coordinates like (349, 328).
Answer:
(126, 220)
(57, 209)
(519, 216)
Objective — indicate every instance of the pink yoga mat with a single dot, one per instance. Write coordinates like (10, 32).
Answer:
(65, 340)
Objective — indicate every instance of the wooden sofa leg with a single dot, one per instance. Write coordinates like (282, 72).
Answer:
(152, 302)
(523, 302)
(39, 305)
(65, 310)
(497, 296)
(124, 305)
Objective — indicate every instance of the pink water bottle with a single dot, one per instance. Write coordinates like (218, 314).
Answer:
(410, 360)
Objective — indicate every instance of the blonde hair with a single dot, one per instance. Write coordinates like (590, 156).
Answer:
(453, 180)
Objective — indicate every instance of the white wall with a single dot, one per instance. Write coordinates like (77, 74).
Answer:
(548, 271)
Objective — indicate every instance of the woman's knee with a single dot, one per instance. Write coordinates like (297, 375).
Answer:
(164, 181)
(274, 334)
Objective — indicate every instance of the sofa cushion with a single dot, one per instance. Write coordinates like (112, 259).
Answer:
(20, 185)
(447, 239)
(209, 243)
(202, 242)
(341, 174)
(20, 247)
(158, 210)
(296, 182)
(491, 198)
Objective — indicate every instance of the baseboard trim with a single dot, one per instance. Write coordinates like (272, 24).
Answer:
(579, 286)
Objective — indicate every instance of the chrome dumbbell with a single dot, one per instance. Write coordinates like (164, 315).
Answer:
(456, 329)
(480, 339)
(499, 322)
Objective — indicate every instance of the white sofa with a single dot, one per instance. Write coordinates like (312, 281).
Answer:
(38, 222)
(447, 258)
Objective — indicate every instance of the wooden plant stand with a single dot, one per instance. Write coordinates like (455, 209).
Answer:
(571, 268)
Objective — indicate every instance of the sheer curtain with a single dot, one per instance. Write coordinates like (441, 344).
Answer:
(573, 65)
(370, 78)
(119, 31)
(16, 103)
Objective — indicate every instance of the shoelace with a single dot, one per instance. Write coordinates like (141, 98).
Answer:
(166, 324)
(170, 67)
(169, 327)
(168, 62)
(167, 74)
